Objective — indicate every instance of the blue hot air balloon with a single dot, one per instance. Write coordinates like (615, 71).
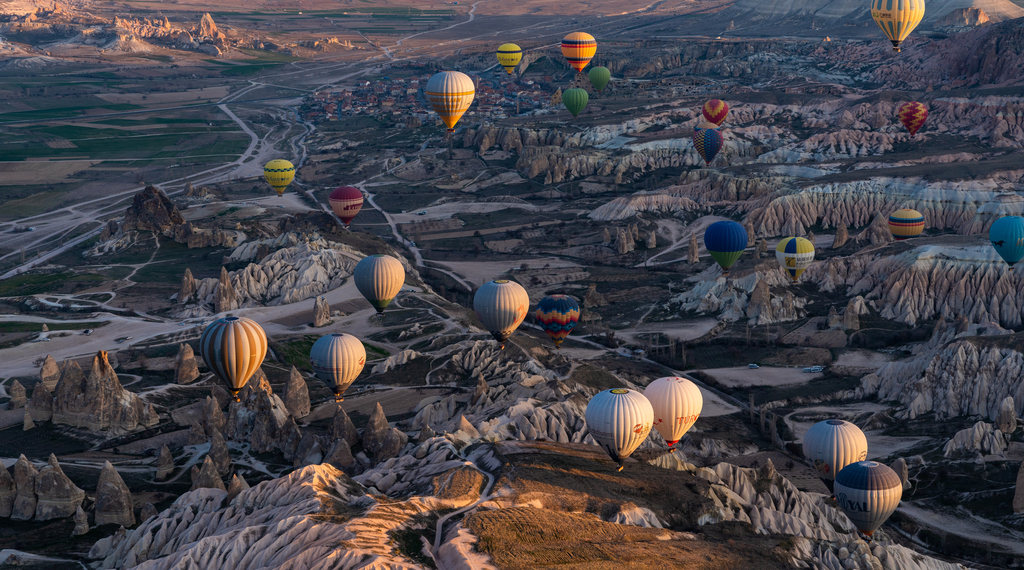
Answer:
(1007, 235)
(725, 241)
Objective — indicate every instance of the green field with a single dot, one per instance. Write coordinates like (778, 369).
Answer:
(36, 283)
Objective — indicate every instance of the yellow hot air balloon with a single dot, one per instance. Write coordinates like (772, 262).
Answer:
(502, 306)
(795, 254)
(233, 348)
(379, 278)
(509, 56)
(279, 173)
(897, 18)
(450, 93)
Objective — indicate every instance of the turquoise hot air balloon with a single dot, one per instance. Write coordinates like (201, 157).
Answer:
(1007, 235)
(725, 241)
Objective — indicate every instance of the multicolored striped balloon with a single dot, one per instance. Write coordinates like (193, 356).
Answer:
(795, 254)
(714, 111)
(233, 348)
(558, 315)
(579, 48)
(708, 140)
(450, 93)
(338, 359)
(913, 115)
(906, 223)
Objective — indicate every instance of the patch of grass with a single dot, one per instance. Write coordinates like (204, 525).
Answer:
(20, 326)
(35, 283)
(374, 352)
(296, 352)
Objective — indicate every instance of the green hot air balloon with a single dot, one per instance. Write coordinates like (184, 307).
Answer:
(575, 100)
(599, 77)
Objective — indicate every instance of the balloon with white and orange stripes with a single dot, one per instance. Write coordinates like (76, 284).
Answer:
(338, 359)
(233, 348)
(450, 93)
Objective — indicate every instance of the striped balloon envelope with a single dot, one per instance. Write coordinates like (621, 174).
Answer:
(509, 56)
(913, 115)
(714, 111)
(795, 254)
(575, 100)
(869, 493)
(450, 93)
(708, 140)
(897, 18)
(677, 404)
(346, 201)
(579, 48)
(619, 420)
(1007, 236)
(379, 278)
(501, 306)
(831, 445)
(233, 348)
(338, 359)
(906, 223)
(279, 173)
(558, 315)
(725, 242)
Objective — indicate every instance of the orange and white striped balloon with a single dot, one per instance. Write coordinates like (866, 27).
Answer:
(233, 348)
(450, 93)
(338, 359)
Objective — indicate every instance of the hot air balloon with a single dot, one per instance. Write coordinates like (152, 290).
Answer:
(795, 254)
(1007, 235)
(379, 278)
(279, 173)
(346, 201)
(831, 445)
(708, 140)
(897, 18)
(913, 115)
(338, 359)
(575, 100)
(619, 420)
(906, 223)
(509, 56)
(714, 111)
(868, 492)
(450, 93)
(725, 241)
(558, 315)
(502, 306)
(677, 403)
(599, 77)
(233, 348)
(579, 48)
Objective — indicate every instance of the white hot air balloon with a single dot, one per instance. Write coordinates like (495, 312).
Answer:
(677, 403)
(620, 421)
(501, 306)
(831, 445)
(338, 359)
(379, 278)
(868, 492)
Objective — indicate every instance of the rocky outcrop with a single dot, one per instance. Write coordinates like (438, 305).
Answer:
(851, 316)
(98, 402)
(196, 434)
(1018, 493)
(961, 19)
(18, 396)
(342, 427)
(148, 510)
(8, 491)
(339, 455)
(113, 499)
(25, 475)
(207, 28)
(213, 417)
(236, 487)
(980, 438)
(219, 454)
(900, 467)
(225, 299)
(208, 478)
(321, 313)
(692, 252)
(842, 236)
(49, 373)
(376, 430)
(152, 211)
(81, 522)
(186, 369)
(296, 395)
(164, 464)
(27, 423)
(262, 419)
(56, 496)
(188, 287)
(1006, 419)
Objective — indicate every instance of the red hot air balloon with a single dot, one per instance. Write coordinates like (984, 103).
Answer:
(346, 201)
(714, 111)
(913, 116)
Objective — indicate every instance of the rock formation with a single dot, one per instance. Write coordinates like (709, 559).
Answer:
(321, 313)
(219, 454)
(164, 463)
(692, 253)
(842, 236)
(49, 373)
(56, 496)
(592, 298)
(980, 438)
(98, 402)
(606, 237)
(878, 232)
(27, 422)
(236, 487)
(208, 478)
(652, 240)
(900, 467)
(851, 316)
(751, 237)
(188, 287)
(213, 417)
(376, 430)
(961, 19)
(1006, 420)
(810, 237)
(148, 510)
(1018, 493)
(113, 499)
(343, 428)
(25, 475)
(18, 396)
(339, 454)
(392, 445)
(225, 300)
(834, 320)
(262, 420)
(152, 211)
(81, 522)
(196, 434)
(207, 29)
(8, 491)
(296, 394)
(186, 369)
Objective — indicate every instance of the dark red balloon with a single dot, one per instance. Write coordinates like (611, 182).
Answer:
(346, 201)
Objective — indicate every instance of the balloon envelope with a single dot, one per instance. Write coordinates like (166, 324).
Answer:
(501, 306)
(1007, 235)
(450, 93)
(913, 115)
(725, 241)
(279, 173)
(619, 420)
(233, 348)
(868, 492)
(558, 315)
(509, 56)
(897, 18)
(575, 100)
(599, 77)
(579, 48)
(338, 359)
(379, 278)
(677, 403)
(795, 254)
(906, 223)
(708, 141)
(831, 445)
(346, 201)
(714, 111)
